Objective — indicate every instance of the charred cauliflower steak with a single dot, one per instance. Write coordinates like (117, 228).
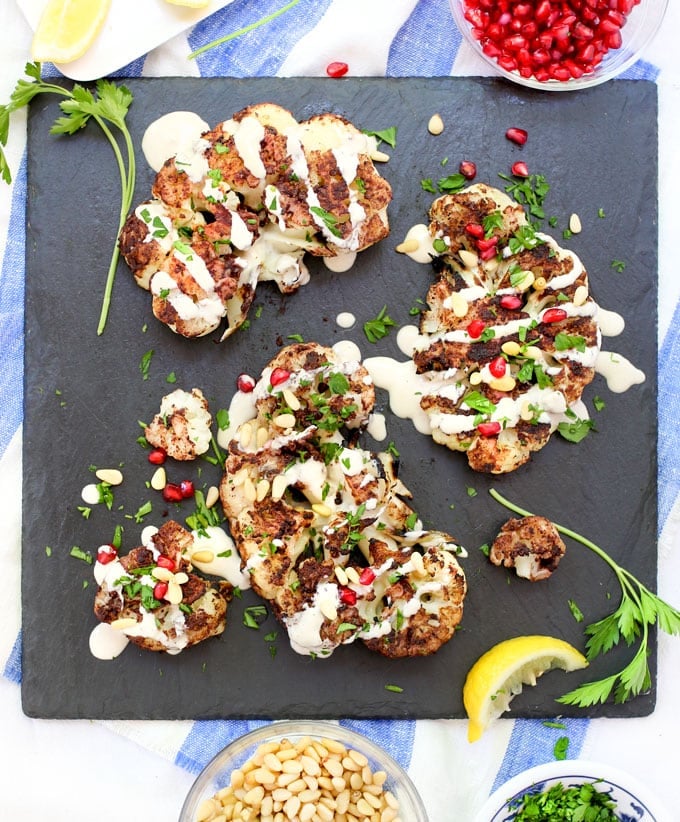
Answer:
(244, 205)
(510, 335)
(182, 426)
(152, 596)
(323, 526)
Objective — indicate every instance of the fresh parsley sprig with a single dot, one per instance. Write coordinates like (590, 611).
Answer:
(379, 326)
(638, 609)
(107, 106)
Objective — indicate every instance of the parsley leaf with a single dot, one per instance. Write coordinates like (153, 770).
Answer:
(379, 326)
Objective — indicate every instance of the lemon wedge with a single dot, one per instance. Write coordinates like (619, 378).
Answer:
(500, 673)
(190, 4)
(67, 29)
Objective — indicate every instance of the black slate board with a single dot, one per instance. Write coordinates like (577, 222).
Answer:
(84, 395)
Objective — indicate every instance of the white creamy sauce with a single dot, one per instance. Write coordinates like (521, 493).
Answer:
(347, 351)
(227, 560)
(107, 642)
(304, 627)
(248, 135)
(90, 494)
(345, 319)
(171, 134)
(619, 372)
(611, 323)
(425, 251)
(148, 532)
(340, 263)
(404, 387)
(161, 230)
(241, 409)
(377, 426)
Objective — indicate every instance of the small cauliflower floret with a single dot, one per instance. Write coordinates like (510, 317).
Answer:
(531, 545)
(182, 428)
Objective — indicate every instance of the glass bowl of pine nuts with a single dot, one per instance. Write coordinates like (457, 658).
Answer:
(303, 770)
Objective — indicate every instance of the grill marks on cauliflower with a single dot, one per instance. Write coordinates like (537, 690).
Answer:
(257, 192)
(324, 527)
(471, 321)
(182, 428)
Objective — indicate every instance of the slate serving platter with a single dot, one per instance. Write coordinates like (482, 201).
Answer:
(85, 394)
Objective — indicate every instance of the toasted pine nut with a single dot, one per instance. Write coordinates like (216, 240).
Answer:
(284, 421)
(321, 509)
(575, 224)
(504, 383)
(468, 258)
(212, 496)
(379, 156)
(291, 400)
(261, 489)
(245, 434)
(436, 125)
(352, 574)
(459, 304)
(279, 485)
(203, 556)
(123, 623)
(408, 246)
(341, 575)
(111, 476)
(580, 295)
(511, 348)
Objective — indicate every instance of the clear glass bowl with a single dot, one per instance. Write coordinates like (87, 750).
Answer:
(641, 25)
(217, 772)
(633, 800)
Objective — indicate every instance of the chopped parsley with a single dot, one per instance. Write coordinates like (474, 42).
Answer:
(379, 326)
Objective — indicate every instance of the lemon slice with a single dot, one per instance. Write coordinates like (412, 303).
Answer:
(67, 29)
(191, 4)
(499, 674)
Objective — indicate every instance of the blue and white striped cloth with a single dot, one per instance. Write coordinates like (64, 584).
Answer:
(378, 38)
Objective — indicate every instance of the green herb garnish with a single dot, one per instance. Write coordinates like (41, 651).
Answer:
(379, 326)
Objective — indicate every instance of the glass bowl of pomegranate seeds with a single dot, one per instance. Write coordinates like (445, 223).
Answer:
(559, 45)
(303, 769)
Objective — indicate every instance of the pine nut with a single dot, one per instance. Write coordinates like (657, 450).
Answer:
(580, 295)
(291, 400)
(245, 434)
(511, 348)
(262, 489)
(329, 610)
(504, 383)
(111, 476)
(468, 258)
(212, 496)
(408, 246)
(284, 421)
(379, 156)
(343, 580)
(352, 574)
(575, 224)
(459, 304)
(123, 623)
(249, 491)
(159, 479)
(202, 556)
(321, 509)
(436, 125)
(162, 574)
(279, 485)
(475, 378)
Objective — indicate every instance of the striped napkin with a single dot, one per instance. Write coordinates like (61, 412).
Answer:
(377, 38)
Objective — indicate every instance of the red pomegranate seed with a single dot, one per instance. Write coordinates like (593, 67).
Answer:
(278, 376)
(489, 429)
(554, 315)
(172, 493)
(348, 596)
(475, 230)
(165, 562)
(468, 169)
(187, 489)
(106, 554)
(367, 576)
(497, 366)
(517, 135)
(487, 243)
(510, 301)
(157, 456)
(475, 329)
(160, 589)
(245, 383)
(337, 69)
(520, 169)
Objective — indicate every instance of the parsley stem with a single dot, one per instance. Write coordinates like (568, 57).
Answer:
(261, 22)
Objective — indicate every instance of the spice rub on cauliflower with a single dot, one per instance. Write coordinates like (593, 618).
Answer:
(244, 205)
(151, 596)
(323, 526)
(510, 336)
(531, 545)
(182, 427)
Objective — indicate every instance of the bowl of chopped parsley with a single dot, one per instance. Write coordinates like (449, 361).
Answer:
(573, 791)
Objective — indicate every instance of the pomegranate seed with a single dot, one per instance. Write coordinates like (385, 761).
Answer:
(278, 376)
(497, 366)
(520, 169)
(348, 596)
(487, 243)
(160, 589)
(468, 169)
(543, 10)
(489, 429)
(337, 69)
(475, 230)
(245, 383)
(157, 456)
(488, 253)
(367, 576)
(554, 315)
(475, 329)
(517, 135)
(510, 301)
(106, 554)
(165, 562)
(187, 489)
(172, 493)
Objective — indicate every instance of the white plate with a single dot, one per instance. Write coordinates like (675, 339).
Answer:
(131, 30)
(634, 800)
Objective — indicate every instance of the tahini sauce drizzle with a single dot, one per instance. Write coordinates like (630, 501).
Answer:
(173, 133)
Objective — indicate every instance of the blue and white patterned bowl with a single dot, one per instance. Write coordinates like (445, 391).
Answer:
(634, 802)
